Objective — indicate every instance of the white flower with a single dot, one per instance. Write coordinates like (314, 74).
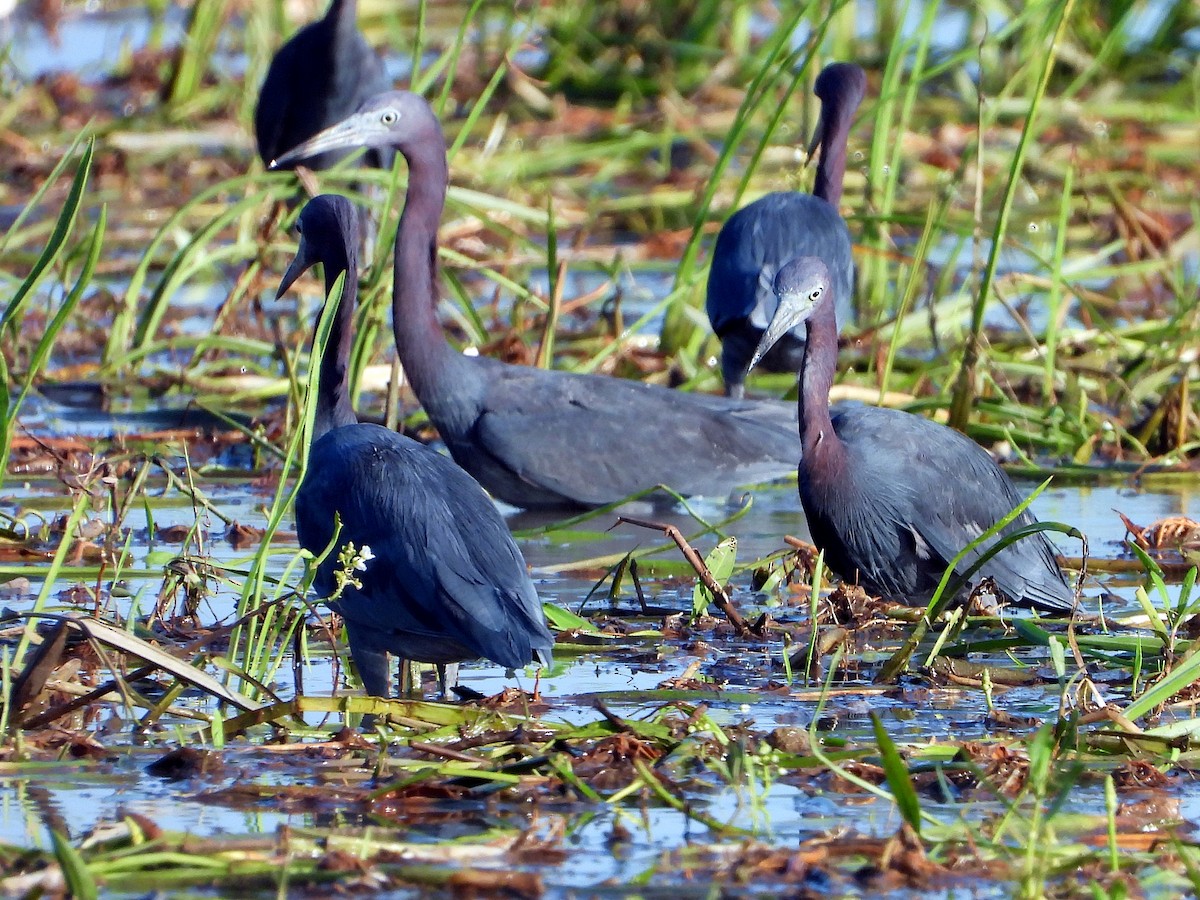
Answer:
(363, 557)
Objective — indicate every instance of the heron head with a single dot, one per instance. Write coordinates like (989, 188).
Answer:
(840, 87)
(387, 120)
(801, 285)
(328, 229)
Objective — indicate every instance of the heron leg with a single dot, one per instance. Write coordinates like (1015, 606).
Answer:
(373, 668)
(447, 678)
(410, 681)
(371, 662)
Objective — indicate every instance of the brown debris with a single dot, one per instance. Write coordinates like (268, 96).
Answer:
(904, 857)
(490, 882)
(1003, 770)
(341, 861)
(242, 536)
(864, 770)
(610, 763)
(1146, 234)
(852, 606)
(970, 674)
(790, 740)
(286, 798)
(1138, 774)
(689, 679)
(515, 700)
(1172, 533)
(891, 864)
(1000, 719)
(1151, 811)
(71, 743)
(172, 534)
(185, 762)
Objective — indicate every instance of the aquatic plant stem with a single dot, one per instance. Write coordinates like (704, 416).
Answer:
(963, 398)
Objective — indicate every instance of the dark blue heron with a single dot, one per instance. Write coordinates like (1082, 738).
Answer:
(537, 438)
(891, 497)
(762, 236)
(445, 581)
(320, 76)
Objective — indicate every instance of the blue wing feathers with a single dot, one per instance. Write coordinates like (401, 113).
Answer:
(919, 494)
(445, 567)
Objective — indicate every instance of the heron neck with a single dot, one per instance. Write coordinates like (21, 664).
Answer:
(831, 165)
(343, 18)
(817, 437)
(420, 343)
(334, 408)
(343, 12)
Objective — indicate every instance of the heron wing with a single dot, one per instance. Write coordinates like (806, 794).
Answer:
(445, 565)
(758, 239)
(595, 439)
(947, 491)
(289, 107)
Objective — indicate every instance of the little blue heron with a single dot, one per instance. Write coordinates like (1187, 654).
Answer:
(762, 236)
(532, 437)
(891, 497)
(320, 76)
(445, 581)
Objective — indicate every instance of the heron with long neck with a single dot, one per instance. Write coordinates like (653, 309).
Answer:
(762, 236)
(536, 437)
(892, 498)
(439, 578)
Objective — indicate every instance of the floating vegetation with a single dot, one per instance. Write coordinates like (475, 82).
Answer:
(179, 716)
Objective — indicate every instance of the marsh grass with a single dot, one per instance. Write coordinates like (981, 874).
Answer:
(961, 147)
(11, 321)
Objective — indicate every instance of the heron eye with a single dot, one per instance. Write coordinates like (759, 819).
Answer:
(389, 117)
(816, 292)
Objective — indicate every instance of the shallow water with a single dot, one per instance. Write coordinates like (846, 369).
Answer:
(567, 564)
(79, 796)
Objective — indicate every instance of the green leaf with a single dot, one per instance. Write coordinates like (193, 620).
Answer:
(58, 238)
(899, 782)
(1058, 657)
(565, 620)
(53, 253)
(1166, 687)
(720, 565)
(80, 883)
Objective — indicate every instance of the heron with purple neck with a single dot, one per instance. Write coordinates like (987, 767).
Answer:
(892, 498)
(439, 578)
(539, 438)
(760, 237)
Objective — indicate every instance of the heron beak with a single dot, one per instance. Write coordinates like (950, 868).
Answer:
(818, 137)
(791, 311)
(302, 262)
(359, 130)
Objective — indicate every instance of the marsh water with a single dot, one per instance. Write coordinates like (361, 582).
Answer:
(652, 658)
(77, 796)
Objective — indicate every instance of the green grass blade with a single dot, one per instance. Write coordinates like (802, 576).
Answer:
(80, 883)
(899, 781)
(963, 397)
(58, 238)
(1180, 677)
